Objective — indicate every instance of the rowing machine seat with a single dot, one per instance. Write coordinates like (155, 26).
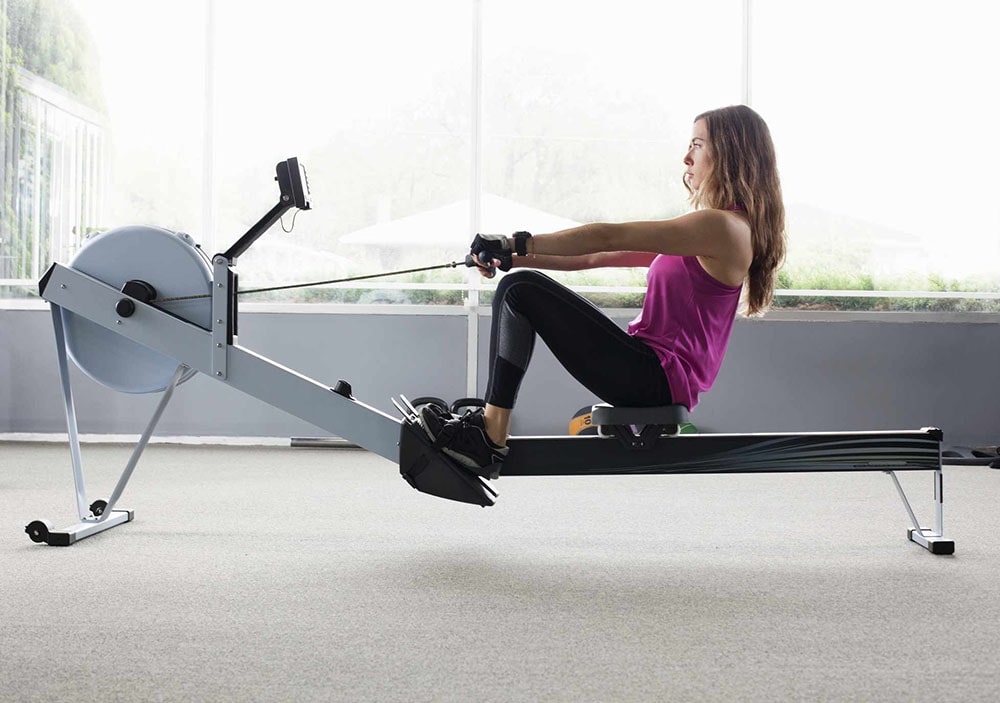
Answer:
(638, 428)
(604, 414)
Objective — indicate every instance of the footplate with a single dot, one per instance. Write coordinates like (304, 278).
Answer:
(429, 471)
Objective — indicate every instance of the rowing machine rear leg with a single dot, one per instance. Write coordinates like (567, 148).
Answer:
(932, 540)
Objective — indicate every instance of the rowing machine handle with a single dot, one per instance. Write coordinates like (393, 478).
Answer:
(470, 261)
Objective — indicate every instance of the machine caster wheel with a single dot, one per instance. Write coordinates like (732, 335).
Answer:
(38, 531)
(98, 507)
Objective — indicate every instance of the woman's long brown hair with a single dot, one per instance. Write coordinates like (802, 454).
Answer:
(744, 175)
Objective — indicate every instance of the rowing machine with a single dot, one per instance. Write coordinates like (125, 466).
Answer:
(143, 309)
(639, 441)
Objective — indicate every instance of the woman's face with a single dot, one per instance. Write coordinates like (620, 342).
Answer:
(698, 158)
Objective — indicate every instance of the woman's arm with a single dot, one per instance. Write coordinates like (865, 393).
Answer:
(707, 233)
(720, 239)
(624, 259)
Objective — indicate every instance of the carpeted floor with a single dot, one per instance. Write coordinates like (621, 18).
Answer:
(278, 574)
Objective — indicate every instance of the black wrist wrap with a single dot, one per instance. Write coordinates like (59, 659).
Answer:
(521, 243)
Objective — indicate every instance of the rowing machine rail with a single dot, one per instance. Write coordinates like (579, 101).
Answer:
(885, 452)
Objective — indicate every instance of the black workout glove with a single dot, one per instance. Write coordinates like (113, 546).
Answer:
(486, 247)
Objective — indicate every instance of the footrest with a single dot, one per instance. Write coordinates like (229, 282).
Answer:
(429, 471)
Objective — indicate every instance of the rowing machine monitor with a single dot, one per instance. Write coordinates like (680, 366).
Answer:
(294, 183)
(294, 187)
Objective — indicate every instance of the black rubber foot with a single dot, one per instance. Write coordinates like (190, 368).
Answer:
(942, 547)
(935, 545)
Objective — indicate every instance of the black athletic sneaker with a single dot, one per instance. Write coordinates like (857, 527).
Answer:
(464, 439)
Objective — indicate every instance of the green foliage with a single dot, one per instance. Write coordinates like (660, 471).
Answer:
(813, 279)
(50, 39)
(47, 38)
(362, 296)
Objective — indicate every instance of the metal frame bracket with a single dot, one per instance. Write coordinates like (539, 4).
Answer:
(221, 338)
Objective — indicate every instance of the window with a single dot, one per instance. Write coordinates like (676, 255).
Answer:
(420, 123)
(53, 197)
(374, 98)
(877, 112)
(53, 143)
(104, 127)
(587, 114)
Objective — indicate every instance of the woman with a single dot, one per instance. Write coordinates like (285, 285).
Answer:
(699, 265)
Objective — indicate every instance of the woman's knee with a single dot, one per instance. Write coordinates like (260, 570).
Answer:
(516, 277)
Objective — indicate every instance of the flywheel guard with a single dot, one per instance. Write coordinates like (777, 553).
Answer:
(168, 261)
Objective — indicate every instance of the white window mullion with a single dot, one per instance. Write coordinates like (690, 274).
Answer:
(208, 205)
(475, 195)
(746, 67)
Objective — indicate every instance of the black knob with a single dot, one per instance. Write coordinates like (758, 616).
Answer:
(140, 290)
(125, 307)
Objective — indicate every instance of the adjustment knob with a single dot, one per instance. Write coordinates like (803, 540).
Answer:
(125, 307)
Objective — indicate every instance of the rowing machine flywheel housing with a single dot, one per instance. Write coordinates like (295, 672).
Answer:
(168, 261)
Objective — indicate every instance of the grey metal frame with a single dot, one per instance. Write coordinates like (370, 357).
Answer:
(194, 348)
(197, 349)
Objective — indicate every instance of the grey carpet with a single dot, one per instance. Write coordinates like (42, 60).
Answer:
(276, 574)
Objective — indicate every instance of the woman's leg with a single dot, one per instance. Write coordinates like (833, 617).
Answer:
(612, 364)
(497, 423)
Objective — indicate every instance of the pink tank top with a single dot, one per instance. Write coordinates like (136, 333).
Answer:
(686, 319)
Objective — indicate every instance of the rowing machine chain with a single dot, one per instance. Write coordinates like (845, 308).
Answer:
(311, 284)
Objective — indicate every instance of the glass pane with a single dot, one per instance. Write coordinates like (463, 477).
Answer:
(588, 112)
(151, 77)
(373, 98)
(875, 112)
(53, 162)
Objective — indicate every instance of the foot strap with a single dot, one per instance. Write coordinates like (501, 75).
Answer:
(447, 434)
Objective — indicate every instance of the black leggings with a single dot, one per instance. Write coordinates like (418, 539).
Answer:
(615, 366)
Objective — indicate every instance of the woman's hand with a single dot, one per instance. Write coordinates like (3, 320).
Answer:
(493, 248)
(486, 265)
